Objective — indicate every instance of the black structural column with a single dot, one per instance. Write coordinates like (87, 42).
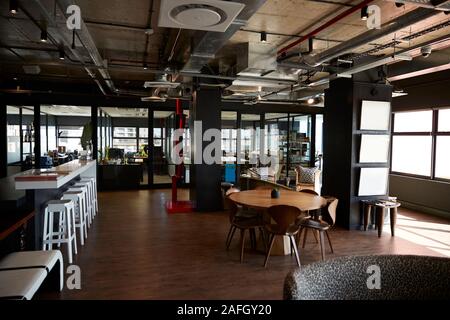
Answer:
(205, 178)
(3, 141)
(94, 125)
(37, 136)
(341, 140)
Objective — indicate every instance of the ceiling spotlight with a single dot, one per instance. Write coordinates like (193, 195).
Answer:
(145, 66)
(61, 54)
(13, 6)
(44, 35)
(263, 36)
(310, 101)
(364, 13)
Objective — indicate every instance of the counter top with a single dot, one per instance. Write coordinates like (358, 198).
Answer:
(52, 178)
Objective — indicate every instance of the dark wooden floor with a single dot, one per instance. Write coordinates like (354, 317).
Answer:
(135, 250)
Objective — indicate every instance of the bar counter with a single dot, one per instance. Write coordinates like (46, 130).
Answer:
(43, 185)
(55, 177)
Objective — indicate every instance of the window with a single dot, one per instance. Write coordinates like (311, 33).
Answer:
(143, 132)
(412, 154)
(421, 145)
(125, 132)
(70, 137)
(420, 121)
(443, 157)
(70, 131)
(444, 120)
(129, 145)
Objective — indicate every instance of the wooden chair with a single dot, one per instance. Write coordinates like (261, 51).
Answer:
(239, 220)
(309, 191)
(285, 218)
(320, 225)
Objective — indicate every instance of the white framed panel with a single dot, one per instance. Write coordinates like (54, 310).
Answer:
(375, 115)
(373, 181)
(374, 148)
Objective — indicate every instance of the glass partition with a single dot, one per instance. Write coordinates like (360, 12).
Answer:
(163, 128)
(276, 126)
(250, 141)
(299, 142)
(229, 134)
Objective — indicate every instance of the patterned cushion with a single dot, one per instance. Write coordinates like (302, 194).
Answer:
(307, 175)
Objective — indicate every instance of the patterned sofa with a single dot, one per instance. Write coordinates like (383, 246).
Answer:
(401, 277)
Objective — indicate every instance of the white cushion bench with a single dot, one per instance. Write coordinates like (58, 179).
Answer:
(23, 273)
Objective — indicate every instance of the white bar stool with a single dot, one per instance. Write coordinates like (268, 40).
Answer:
(80, 213)
(87, 202)
(66, 232)
(93, 182)
(89, 198)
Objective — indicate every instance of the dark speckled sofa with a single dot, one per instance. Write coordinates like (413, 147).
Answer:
(402, 277)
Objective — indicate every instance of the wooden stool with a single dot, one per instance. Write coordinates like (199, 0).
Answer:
(381, 207)
(368, 206)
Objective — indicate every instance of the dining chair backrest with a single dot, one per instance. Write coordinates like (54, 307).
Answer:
(231, 191)
(332, 211)
(230, 205)
(284, 216)
(309, 191)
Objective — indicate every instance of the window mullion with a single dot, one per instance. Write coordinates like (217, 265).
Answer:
(433, 143)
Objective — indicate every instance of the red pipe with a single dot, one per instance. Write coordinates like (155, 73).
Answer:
(325, 25)
(178, 167)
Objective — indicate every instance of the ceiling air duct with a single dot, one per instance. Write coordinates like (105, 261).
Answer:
(207, 15)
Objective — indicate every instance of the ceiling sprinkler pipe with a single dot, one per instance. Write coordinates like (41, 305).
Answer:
(395, 25)
(325, 25)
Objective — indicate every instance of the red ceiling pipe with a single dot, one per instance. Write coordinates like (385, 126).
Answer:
(325, 25)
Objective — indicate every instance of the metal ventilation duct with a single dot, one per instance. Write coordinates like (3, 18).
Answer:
(208, 15)
(255, 59)
(85, 38)
(212, 42)
(442, 5)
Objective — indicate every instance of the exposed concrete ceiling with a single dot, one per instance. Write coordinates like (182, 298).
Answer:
(118, 29)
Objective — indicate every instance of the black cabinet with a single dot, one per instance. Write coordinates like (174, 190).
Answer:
(120, 176)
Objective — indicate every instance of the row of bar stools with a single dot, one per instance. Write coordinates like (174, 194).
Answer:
(93, 183)
(85, 188)
(77, 208)
(66, 232)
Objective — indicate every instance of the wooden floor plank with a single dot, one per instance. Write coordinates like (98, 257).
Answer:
(135, 250)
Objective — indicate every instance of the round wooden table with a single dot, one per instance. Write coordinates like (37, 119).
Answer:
(260, 199)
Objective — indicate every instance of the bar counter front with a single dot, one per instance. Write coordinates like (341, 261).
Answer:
(43, 185)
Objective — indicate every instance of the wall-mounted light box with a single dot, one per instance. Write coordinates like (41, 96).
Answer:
(375, 115)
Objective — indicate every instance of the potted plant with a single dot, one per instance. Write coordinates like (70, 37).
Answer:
(86, 136)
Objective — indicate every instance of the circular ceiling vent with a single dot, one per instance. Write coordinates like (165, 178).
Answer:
(198, 15)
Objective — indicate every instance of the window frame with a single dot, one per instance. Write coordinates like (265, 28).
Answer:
(434, 133)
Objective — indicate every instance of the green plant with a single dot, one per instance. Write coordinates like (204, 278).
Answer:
(86, 136)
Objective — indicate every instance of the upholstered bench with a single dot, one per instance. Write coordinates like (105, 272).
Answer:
(401, 277)
(23, 273)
